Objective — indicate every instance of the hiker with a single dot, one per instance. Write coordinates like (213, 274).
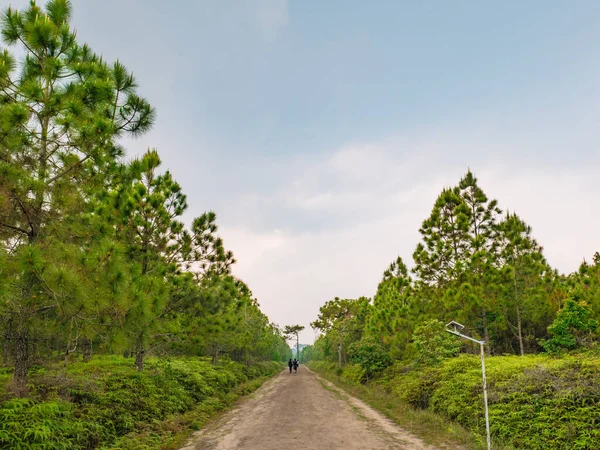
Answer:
(290, 364)
(296, 363)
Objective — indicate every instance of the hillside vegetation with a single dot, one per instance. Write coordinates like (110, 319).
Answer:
(106, 403)
(483, 268)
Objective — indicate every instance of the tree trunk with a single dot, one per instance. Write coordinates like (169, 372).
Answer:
(519, 331)
(68, 350)
(139, 356)
(215, 355)
(139, 360)
(65, 360)
(35, 347)
(340, 349)
(87, 350)
(21, 355)
(6, 344)
(5, 355)
(297, 347)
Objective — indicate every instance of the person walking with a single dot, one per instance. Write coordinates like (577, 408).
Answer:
(296, 363)
(290, 364)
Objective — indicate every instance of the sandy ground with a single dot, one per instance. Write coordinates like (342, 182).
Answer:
(302, 411)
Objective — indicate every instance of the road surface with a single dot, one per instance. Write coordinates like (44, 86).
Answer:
(302, 411)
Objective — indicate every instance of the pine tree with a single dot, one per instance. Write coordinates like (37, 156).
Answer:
(388, 321)
(440, 257)
(294, 331)
(60, 113)
(216, 320)
(456, 262)
(525, 268)
(588, 276)
(149, 208)
(482, 247)
(343, 317)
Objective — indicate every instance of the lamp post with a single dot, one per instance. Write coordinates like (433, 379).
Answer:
(456, 328)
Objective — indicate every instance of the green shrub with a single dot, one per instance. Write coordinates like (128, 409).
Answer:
(573, 328)
(370, 356)
(48, 425)
(535, 402)
(353, 373)
(431, 344)
(100, 404)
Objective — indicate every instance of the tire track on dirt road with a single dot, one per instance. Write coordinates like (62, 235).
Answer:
(301, 410)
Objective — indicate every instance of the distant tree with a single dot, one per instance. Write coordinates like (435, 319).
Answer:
(307, 354)
(280, 350)
(213, 323)
(149, 207)
(388, 321)
(338, 316)
(526, 268)
(457, 258)
(294, 331)
(483, 214)
(440, 257)
(482, 246)
(588, 277)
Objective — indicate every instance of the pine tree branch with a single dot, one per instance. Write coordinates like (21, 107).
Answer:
(14, 228)
(69, 169)
(22, 206)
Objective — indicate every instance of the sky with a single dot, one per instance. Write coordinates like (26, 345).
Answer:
(321, 132)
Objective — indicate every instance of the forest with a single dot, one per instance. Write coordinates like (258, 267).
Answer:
(482, 267)
(97, 266)
(476, 265)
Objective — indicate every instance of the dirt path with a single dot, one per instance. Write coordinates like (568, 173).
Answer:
(323, 417)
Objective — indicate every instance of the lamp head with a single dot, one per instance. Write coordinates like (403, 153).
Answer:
(455, 326)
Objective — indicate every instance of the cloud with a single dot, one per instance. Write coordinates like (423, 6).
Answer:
(268, 16)
(341, 218)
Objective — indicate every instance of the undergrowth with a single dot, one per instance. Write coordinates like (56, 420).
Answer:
(105, 403)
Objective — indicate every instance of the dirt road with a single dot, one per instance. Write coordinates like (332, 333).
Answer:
(302, 411)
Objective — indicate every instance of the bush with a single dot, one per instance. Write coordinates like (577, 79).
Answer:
(535, 402)
(49, 425)
(573, 328)
(370, 356)
(353, 373)
(105, 402)
(431, 344)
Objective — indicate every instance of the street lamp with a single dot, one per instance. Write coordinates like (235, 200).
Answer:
(456, 328)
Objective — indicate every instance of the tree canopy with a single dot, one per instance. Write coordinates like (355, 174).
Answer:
(94, 254)
(478, 266)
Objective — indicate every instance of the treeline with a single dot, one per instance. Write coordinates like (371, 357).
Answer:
(94, 256)
(476, 265)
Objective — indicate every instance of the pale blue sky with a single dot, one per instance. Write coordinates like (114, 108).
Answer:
(321, 131)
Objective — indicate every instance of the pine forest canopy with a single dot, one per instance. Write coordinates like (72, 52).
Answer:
(94, 256)
(474, 264)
